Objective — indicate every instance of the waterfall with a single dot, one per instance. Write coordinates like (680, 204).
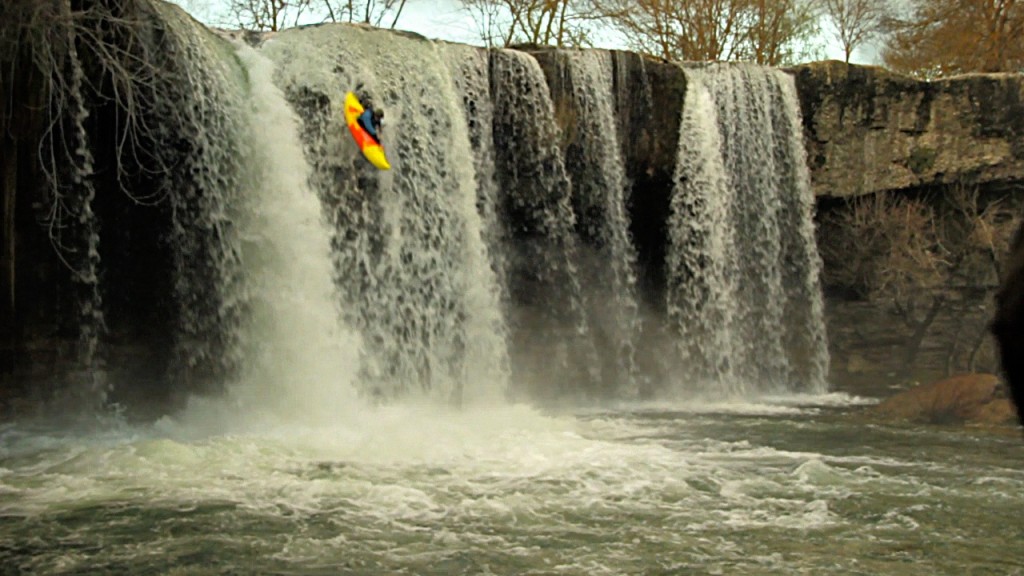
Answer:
(554, 354)
(470, 71)
(82, 253)
(202, 109)
(505, 255)
(599, 193)
(409, 247)
(804, 314)
(301, 362)
(742, 266)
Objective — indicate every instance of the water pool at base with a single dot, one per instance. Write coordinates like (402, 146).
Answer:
(776, 488)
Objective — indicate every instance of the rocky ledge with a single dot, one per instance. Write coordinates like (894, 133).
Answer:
(974, 399)
(870, 130)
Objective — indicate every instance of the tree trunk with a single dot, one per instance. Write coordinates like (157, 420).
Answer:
(972, 357)
(913, 346)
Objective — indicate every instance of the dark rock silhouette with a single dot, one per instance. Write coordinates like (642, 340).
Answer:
(1008, 325)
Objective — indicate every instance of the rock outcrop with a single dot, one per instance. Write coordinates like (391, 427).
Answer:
(964, 399)
(1008, 325)
(870, 130)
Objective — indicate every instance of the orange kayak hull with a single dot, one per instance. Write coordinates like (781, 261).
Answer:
(370, 148)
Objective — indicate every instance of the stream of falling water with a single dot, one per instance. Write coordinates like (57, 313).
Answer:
(743, 270)
(301, 362)
(409, 247)
(600, 195)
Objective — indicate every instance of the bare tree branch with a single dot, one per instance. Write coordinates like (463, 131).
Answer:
(947, 37)
(856, 21)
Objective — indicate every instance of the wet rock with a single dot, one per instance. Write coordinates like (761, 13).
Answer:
(978, 399)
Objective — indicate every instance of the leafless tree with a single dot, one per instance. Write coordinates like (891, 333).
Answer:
(489, 21)
(923, 260)
(773, 32)
(946, 37)
(856, 22)
(267, 15)
(564, 23)
(695, 30)
(273, 15)
(764, 31)
(373, 12)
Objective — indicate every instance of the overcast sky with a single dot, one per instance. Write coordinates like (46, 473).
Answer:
(446, 20)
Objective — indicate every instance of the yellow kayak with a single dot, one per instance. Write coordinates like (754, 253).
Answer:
(369, 145)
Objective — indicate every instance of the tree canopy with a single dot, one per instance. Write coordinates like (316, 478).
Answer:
(925, 38)
(770, 32)
(946, 37)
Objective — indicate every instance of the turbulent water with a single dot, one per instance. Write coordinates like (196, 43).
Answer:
(776, 488)
(376, 330)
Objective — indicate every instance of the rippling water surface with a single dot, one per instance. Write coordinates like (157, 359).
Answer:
(790, 486)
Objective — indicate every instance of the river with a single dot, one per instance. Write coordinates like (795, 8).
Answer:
(798, 485)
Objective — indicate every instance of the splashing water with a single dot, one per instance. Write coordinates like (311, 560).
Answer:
(734, 489)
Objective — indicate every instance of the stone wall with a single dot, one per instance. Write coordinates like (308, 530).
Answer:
(867, 131)
(870, 130)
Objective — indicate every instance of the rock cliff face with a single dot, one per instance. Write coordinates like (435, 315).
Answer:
(648, 96)
(869, 130)
(866, 131)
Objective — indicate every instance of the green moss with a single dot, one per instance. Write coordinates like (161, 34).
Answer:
(921, 160)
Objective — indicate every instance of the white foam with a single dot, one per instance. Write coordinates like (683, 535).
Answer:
(420, 482)
(756, 405)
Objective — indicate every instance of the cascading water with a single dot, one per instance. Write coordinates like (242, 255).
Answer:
(410, 254)
(553, 350)
(74, 211)
(804, 315)
(599, 193)
(500, 243)
(143, 147)
(204, 188)
(742, 266)
(301, 362)
(470, 71)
